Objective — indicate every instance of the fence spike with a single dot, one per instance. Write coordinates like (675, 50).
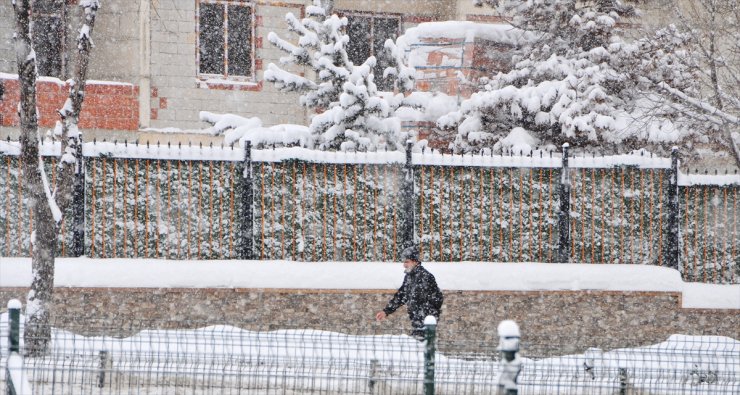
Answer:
(125, 143)
(168, 144)
(201, 145)
(157, 143)
(642, 152)
(137, 142)
(115, 142)
(715, 172)
(95, 140)
(190, 143)
(179, 145)
(706, 171)
(147, 144)
(211, 145)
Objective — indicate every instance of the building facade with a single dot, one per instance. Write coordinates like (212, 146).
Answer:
(157, 63)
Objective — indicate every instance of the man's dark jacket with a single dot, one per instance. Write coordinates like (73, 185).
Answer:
(420, 294)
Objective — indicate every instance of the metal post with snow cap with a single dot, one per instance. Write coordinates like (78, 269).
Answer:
(15, 381)
(430, 334)
(511, 364)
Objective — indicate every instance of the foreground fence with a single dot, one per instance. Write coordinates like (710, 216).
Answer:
(230, 360)
(219, 203)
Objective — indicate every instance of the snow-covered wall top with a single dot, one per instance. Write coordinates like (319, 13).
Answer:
(465, 276)
(536, 159)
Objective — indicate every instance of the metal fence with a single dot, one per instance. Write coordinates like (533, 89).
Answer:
(228, 360)
(196, 203)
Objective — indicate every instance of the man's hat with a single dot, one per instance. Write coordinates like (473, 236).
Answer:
(410, 253)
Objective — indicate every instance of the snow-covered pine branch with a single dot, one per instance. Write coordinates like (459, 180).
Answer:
(579, 82)
(350, 114)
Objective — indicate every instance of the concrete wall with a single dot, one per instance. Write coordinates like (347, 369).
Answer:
(552, 323)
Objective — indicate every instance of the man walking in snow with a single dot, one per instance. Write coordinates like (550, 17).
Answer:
(419, 292)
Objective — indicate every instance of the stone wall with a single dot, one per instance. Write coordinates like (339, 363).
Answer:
(552, 323)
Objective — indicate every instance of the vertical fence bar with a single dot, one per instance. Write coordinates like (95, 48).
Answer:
(134, 232)
(490, 213)
(564, 213)
(408, 200)
(672, 250)
(146, 209)
(102, 207)
(78, 205)
(246, 243)
(481, 206)
(421, 215)
(113, 214)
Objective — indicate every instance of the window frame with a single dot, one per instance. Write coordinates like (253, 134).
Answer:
(252, 45)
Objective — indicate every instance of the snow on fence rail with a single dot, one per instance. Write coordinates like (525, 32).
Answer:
(229, 360)
(184, 202)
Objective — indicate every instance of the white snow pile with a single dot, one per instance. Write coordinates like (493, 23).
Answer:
(236, 128)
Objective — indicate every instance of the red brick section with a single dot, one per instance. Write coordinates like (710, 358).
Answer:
(106, 106)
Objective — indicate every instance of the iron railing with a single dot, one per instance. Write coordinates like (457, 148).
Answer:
(220, 359)
(196, 203)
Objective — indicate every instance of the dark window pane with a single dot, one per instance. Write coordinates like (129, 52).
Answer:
(47, 42)
(240, 40)
(359, 46)
(211, 38)
(383, 29)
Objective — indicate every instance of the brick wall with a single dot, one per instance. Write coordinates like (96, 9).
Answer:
(552, 323)
(106, 106)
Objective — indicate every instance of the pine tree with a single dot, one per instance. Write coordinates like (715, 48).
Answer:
(351, 114)
(579, 82)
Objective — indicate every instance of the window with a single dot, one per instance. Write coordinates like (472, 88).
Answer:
(367, 35)
(225, 44)
(49, 36)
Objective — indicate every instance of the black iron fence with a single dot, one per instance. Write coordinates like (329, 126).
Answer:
(209, 202)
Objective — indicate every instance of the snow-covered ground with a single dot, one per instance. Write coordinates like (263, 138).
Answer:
(224, 359)
(467, 276)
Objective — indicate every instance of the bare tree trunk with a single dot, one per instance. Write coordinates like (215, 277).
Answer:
(71, 161)
(46, 213)
(43, 239)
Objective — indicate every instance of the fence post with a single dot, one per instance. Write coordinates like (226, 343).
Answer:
(14, 336)
(430, 335)
(511, 365)
(671, 250)
(564, 213)
(246, 242)
(408, 200)
(78, 205)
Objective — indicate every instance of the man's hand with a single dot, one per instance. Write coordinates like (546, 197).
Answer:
(380, 315)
